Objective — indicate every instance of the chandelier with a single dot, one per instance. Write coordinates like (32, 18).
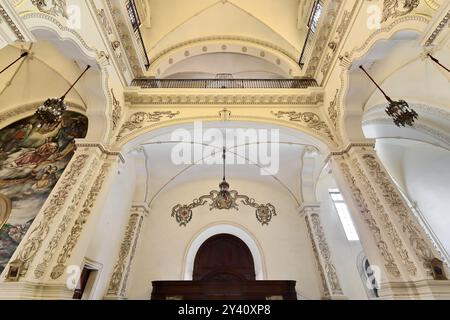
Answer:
(400, 111)
(51, 112)
(224, 199)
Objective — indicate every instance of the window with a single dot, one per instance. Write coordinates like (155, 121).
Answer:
(315, 16)
(368, 276)
(344, 215)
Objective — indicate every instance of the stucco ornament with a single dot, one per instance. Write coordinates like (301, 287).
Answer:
(53, 7)
(398, 8)
(224, 199)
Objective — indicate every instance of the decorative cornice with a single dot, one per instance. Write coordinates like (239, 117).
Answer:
(440, 27)
(12, 25)
(314, 97)
(102, 149)
(349, 148)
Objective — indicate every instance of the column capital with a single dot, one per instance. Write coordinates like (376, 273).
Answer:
(140, 208)
(306, 209)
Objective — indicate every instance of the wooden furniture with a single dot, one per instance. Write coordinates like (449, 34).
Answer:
(224, 290)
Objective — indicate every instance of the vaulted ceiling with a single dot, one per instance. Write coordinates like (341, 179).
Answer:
(172, 24)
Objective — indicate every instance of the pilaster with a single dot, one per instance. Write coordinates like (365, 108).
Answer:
(60, 234)
(330, 282)
(118, 282)
(392, 238)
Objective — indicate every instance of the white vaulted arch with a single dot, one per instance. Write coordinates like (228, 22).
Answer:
(232, 229)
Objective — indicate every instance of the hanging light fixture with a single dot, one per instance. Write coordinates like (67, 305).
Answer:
(400, 111)
(51, 112)
(224, 199)
(22, 55)
(438, 63)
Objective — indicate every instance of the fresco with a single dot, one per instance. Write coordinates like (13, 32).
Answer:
(32, 158)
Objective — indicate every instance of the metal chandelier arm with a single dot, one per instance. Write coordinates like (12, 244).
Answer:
(23, 55)
(400, 110)
(76, 81)
(438, 62)
(378, 86)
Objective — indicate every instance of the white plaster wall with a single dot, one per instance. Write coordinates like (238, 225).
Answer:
(423, 172)
(345, 253)
(284, 244)
(107, 238)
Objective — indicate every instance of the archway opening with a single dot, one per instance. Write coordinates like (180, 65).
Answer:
(224, 257)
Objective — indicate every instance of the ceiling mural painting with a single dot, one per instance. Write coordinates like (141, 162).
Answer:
(32, 158)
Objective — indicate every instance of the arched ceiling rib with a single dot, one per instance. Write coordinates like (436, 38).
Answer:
(24, 79)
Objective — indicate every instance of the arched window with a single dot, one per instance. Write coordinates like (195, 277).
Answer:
(368, 277)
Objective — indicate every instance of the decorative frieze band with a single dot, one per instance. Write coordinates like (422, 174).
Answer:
(300, 99)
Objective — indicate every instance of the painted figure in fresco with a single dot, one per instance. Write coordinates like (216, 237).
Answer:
(32, 158)
(45, 178)
(17, 137)
(37, 156)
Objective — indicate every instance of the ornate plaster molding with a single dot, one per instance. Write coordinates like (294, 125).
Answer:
(384, 252)
(41, 228)
(438, 30)
(314, 97)
(101, 148)
(225, 38)
(69, 214)
(310, 119)
(72, 239)
(139, 119)
(117, 284)
(11, 24)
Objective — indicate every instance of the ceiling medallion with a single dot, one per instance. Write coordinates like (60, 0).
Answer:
(400, 111)
(224, 199)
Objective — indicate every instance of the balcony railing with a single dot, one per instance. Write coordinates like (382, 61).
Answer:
(224, 83)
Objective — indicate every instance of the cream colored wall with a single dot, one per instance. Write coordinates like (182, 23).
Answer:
(163, 244)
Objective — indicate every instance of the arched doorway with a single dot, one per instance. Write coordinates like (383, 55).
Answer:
(224, 257)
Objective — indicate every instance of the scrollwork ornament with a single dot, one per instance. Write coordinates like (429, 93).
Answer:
(391, 195)
(310, 119)
(223, 200)
(58, 198)
(52, 7)
(398, 8)
(138, 119)
(80, 221)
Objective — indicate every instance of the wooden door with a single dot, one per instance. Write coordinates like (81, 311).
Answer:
(224, 257)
